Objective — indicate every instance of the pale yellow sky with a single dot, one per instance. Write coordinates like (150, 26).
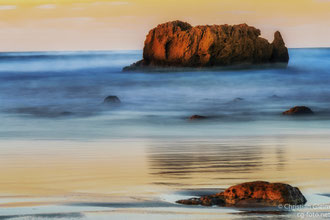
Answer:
(33, 25)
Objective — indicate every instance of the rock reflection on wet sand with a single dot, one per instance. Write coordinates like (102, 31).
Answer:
(179, 162)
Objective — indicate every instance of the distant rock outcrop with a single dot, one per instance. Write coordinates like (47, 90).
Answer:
(258, 193)
(197, 117)
(178, 44)
(299, 110)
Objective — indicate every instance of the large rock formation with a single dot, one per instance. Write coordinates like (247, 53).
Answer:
(258, 193)
(179, 44)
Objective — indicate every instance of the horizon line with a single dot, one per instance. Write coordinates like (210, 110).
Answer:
(98, 50)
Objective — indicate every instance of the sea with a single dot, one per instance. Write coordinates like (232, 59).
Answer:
(66, 154)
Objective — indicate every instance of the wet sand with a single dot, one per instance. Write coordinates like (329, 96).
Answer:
(142, 178)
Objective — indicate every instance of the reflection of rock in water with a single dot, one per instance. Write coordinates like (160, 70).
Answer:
(280, 156)
(209, 161)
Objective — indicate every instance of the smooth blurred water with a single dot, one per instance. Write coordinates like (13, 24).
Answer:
(60, 95)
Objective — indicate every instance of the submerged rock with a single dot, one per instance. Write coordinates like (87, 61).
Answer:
(66, 113)
(275, 97)
(179, 44)
(197, 117)
(236, 100)
(112, 99)
(252, 194)
(299, 110)
(42, 111)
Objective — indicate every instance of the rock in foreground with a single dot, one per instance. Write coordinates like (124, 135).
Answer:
(178, 44)
(299, 110)
(252, 194)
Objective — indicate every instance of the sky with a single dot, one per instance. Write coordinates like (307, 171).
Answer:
(51, 25)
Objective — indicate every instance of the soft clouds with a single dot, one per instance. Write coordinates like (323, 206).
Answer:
(68, 21)
(238, 12)
(7, 7)
(47, 6)
(119, 3)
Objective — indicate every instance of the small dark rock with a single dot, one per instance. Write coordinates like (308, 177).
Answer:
(112, 99)
(299, 110)
(197, 117)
